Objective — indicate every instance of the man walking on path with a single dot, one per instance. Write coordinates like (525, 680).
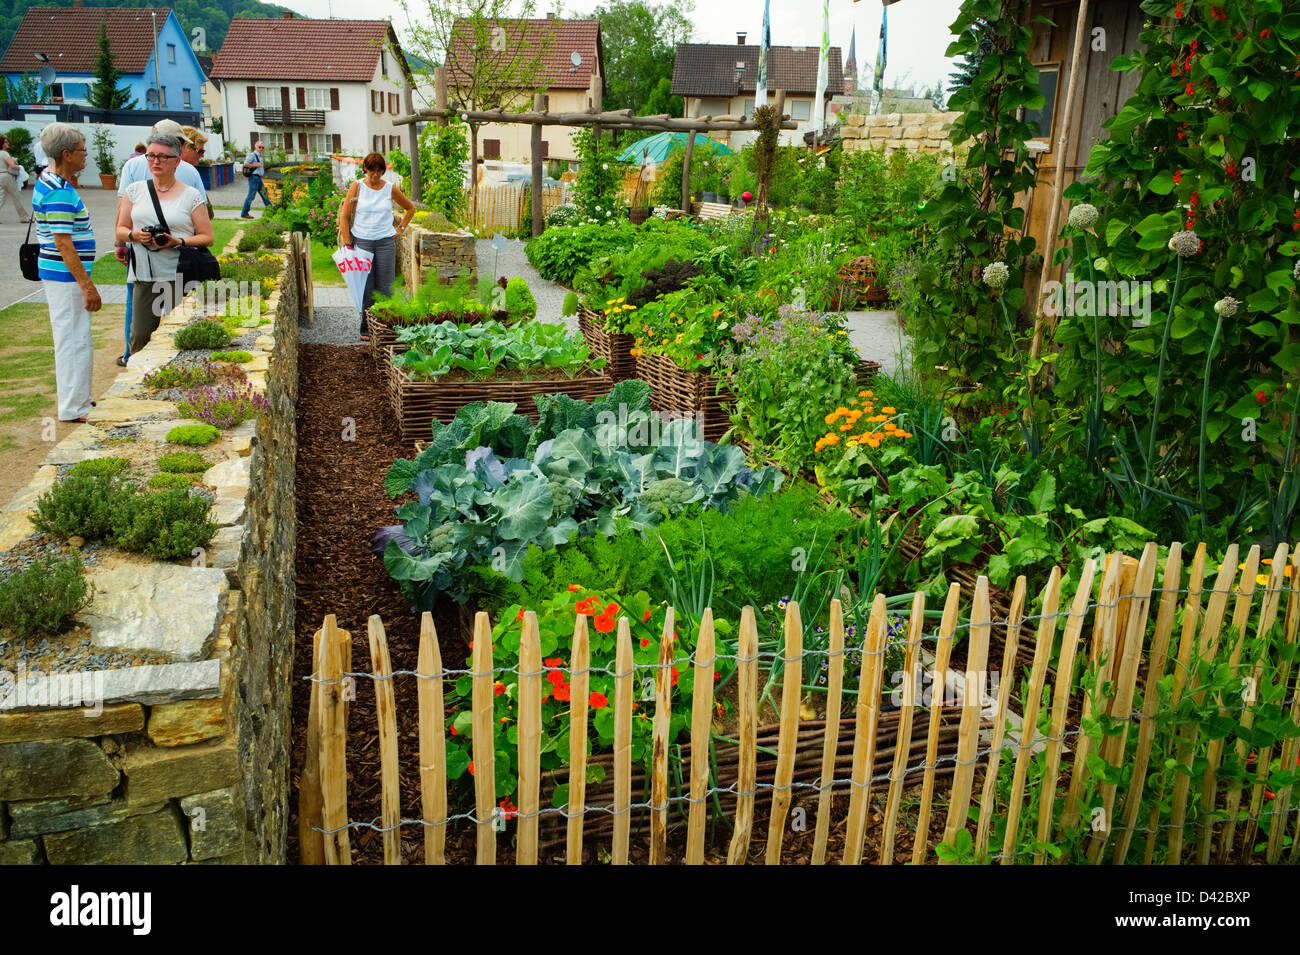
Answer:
(255, 168)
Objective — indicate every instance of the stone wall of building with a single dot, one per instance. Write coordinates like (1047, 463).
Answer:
(182, 751)
(918, 132)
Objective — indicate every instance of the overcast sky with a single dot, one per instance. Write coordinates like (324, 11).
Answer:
(918, 29)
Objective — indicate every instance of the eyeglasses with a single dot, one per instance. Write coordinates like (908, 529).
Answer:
(159, 157)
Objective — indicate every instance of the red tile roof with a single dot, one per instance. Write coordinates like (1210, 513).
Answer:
(69, 36)
(299, 49)
(709, 69)
(557, 40)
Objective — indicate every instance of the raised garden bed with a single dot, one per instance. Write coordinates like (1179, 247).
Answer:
(614, 347)
(383, 335)
(417, 403)
(674, 390)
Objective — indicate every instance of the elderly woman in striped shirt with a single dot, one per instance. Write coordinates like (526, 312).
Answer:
(67, 252)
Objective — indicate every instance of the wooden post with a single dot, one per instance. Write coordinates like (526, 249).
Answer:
(440, 94)
(433, 743)
(791, 696)
(903, 745)
(529, 739)
(311, 848)
(864, 736)
(1058, 173)
(701, 727)
(485, 772)
(417, 182)
(540, 102)
(939, 685)
(831, 739)
(971, 713)
(580, 682)
(659, 750)
(686, 163)
(596, 93)
(1006, 684)
(624, 691)
(386, 715)
(747, 733)
(333, 744)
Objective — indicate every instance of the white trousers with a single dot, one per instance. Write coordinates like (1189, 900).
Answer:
(74, 350)
(9, 190)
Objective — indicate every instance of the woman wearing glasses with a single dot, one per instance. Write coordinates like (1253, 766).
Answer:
(66, 257)
(155, 249)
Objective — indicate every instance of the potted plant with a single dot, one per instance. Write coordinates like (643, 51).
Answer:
(103, 144)
(205, 172)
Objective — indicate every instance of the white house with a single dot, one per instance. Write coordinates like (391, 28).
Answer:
(313, 87)
(721, 80)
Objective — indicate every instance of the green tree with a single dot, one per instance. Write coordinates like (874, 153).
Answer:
(27, 89)
(969, 66)
(640, 44)
(104, 93)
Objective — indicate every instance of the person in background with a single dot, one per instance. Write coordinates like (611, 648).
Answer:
(9, 181)
(139, 150)
(155, 256)
(136, 169)
(366, 221)
(257, 166)
(39, 158)
(67, 251)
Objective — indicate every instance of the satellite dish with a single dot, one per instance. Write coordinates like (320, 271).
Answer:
(576, 58)
(47, 76)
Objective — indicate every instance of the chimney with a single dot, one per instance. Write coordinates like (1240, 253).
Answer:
(550, 16)
(740, 38)
(288, 15)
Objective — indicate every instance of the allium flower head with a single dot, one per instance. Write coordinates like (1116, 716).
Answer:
(1083, 216)
(996, 274)
(1102, 264)
(1295, 272)
(1226, 307)
(1185, 243)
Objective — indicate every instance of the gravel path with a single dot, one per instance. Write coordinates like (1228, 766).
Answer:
(877, 337)
(512, 262)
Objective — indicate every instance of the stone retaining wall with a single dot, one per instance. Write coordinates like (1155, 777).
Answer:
(419, 250)
(187, 761)
(918, 132)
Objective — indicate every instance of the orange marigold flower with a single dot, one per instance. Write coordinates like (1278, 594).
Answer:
(830, 418)
(889, 410)
(832, 439)
(877, 418)
(866, 394)
(846, 427)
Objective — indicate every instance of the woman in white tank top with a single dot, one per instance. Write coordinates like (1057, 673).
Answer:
(366, 222)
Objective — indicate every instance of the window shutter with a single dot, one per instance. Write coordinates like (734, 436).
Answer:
(252, 140)
(252, 96)
(396, 101)
(334, 98)
(302, 98)
(338, 143)
(302, 142)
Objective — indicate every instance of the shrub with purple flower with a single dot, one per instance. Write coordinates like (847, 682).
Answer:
(224, 405)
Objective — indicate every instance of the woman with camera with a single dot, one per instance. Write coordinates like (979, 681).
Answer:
(158, 216)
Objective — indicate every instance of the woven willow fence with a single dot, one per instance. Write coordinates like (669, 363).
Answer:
(505, 207)
(1064, 789)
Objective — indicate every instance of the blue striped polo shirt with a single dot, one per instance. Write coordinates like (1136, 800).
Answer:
(58, 209)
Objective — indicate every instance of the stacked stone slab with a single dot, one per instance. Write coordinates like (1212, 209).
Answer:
(420, 250)
(918, 132)
(187, 761)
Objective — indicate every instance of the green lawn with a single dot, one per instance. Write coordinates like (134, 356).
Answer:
(323, 269)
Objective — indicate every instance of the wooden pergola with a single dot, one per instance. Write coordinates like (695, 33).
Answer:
(593, 116)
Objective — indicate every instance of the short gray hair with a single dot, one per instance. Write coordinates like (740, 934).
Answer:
(58, 138)
(171, 142)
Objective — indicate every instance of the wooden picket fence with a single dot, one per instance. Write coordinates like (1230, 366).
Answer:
(1119, 647)
(501, 208)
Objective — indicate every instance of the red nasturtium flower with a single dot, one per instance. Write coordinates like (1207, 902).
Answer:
(573, 587)
(645, 641)
(604, 623)
(1260, 396)
(646, 617)
(611, 610)
(498, 688)
(519, 616)
(598, 701)
(563, 692)
(509, 809)
(471, 767)
(675, 676)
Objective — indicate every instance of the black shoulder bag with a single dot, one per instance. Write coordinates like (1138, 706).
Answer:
(197, 263)
(29, 255)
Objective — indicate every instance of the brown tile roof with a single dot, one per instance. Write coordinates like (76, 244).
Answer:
(558, 40)
(709, 69)
(300, 49)
(69, 36)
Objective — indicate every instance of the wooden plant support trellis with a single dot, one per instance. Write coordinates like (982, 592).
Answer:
(1105, 633)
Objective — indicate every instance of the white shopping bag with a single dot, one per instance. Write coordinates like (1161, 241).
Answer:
(354, 264)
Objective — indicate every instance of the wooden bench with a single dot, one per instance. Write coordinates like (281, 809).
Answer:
(712, 210)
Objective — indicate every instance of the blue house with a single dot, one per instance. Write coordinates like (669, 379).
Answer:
(67, 40)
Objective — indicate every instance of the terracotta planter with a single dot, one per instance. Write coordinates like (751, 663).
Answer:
(107, 182)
